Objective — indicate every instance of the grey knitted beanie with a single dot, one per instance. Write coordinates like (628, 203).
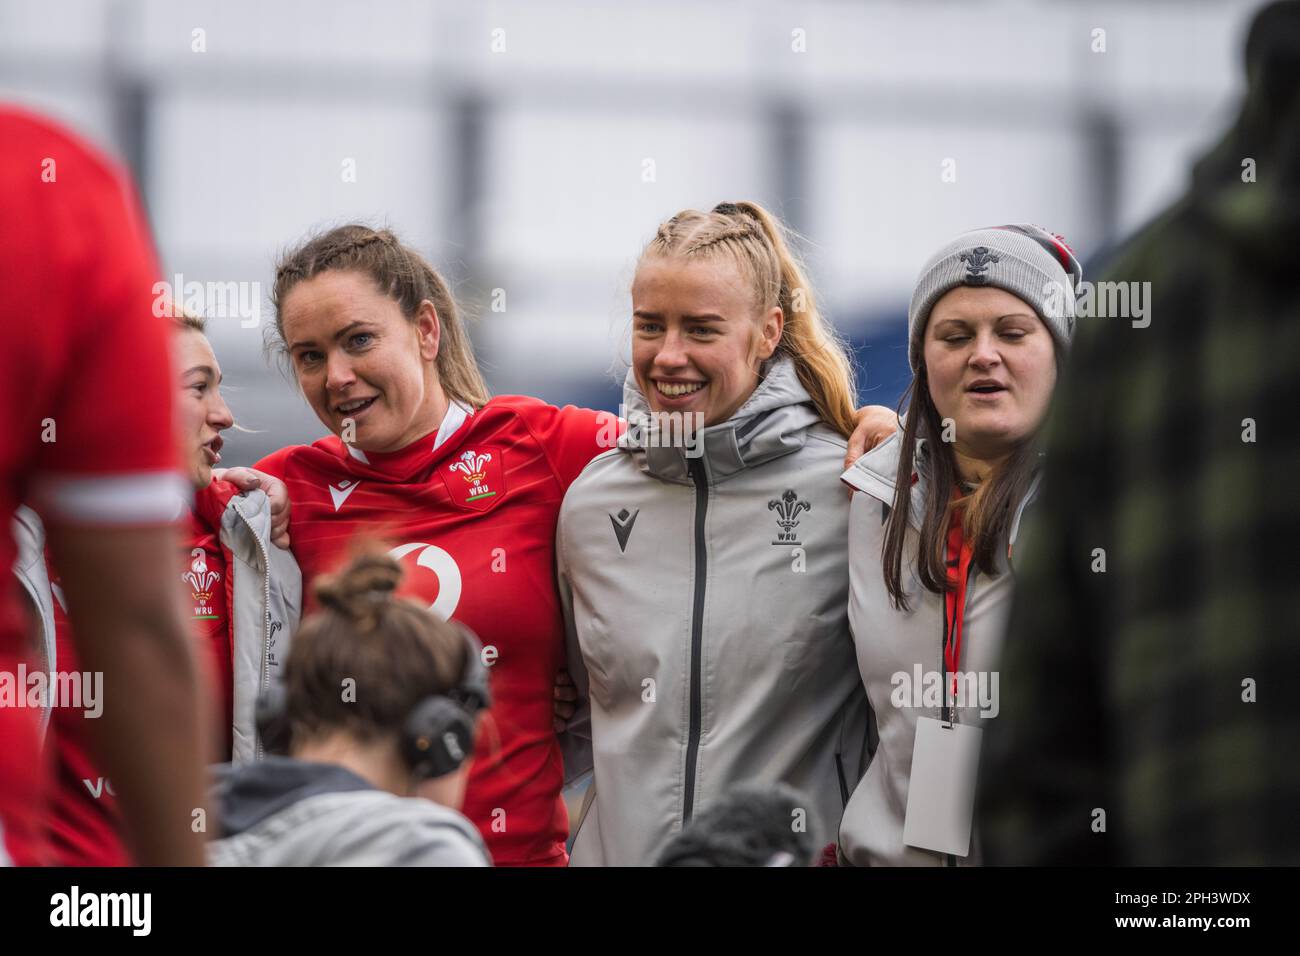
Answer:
(1025, 260)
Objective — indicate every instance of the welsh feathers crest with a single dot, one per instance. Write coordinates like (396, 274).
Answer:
(472, 464)
(202, 580)
(473, 467)
(977, 263)
(198, 577)
(788, 508)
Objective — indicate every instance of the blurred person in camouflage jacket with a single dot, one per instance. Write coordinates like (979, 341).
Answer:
(1147, 711)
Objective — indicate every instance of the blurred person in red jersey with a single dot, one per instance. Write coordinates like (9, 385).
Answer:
(87, 437)
(244, 594)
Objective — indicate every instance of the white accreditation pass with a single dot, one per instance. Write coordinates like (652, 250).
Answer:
(941, 793)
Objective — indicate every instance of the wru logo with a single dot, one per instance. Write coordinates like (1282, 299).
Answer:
(977, 262)
(199, 578)
(473, 466)
(788, 508)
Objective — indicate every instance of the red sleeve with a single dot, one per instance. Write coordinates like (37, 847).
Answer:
(570, 436)
(91, 372)
(210, 504)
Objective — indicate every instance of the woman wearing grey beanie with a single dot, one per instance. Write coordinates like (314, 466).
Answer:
(932, 528)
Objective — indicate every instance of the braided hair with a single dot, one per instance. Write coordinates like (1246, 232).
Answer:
(398, 272)
(757, 242)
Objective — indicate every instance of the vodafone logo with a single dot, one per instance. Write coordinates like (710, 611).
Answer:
(444, 566)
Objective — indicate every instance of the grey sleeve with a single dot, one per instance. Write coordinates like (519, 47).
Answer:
(575, 740)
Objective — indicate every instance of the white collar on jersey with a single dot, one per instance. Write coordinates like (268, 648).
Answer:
(451, 422)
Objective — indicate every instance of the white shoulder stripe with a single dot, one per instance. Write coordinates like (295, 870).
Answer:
(147, 497)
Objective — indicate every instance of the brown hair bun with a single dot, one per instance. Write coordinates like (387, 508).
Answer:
(366, 657)
(360, 590)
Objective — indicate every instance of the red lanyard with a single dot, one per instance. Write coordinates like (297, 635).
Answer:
(958, 554)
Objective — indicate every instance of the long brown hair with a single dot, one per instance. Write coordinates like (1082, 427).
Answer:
(987, 513)
(400, 273)
(757, 241)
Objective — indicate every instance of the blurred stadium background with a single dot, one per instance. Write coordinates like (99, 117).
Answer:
(513, 143)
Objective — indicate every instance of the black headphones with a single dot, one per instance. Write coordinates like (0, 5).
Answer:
(438, 734)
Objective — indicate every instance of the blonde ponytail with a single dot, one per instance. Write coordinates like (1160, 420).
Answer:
(819, 353)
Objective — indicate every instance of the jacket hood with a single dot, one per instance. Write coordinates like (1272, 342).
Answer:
(772, 422)
(1263, 217)
(249, 793)
(875, 474)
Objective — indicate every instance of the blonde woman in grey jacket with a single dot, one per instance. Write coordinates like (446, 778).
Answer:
(932, 532)
(704, 573)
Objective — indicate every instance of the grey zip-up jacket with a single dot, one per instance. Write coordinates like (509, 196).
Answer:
(266, 603)
(281, 811)
(892, 644)
(265, 609)
(706, 603)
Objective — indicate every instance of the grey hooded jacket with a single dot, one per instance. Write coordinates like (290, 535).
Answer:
(281, 811)
(265, 609)
(893, 644)
(706, 603)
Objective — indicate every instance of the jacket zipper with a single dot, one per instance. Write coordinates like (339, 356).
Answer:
(266, 619)
(696, 470)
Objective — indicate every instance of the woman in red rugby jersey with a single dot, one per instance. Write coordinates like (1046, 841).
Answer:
(242, 595)
(464, 488)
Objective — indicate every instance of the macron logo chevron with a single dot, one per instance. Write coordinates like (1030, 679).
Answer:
(340, 494)
(623, 526)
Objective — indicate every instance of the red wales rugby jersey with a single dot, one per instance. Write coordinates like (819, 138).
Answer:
(87, 390)
(471, 513)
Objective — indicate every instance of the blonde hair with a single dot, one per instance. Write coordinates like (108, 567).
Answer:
(403, 275)
(757, 241)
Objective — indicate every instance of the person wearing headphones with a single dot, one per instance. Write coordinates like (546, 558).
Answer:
(377, 716)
